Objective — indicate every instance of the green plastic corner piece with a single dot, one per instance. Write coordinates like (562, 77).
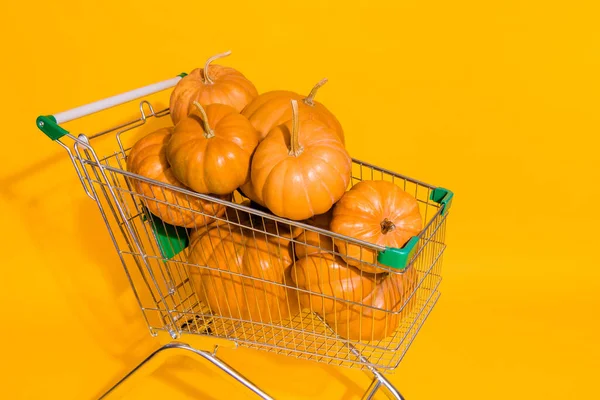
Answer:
(398, 258)
(183, 74)
(171, 239)
(48, 125)
(443, 197)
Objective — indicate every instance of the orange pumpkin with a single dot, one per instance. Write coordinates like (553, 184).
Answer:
(148, 158)
(331, 276)
(210, 149)
(300, 169)
(377, 212)
(279, 232)
(232, 216)
(392, 299)
(310, 242)
(234, 257)
(209, 85)
(271, 109)
(247, 190)
(339, 291)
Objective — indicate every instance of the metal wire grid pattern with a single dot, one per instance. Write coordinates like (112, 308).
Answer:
(170, 302)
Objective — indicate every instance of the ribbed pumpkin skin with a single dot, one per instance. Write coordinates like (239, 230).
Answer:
(217, 164)
(324, 274)
(394, 294)
(229, 250)
(365, 211)
(310, 242)
(229, 87)
(300, 186)
(148, 158)
(329, 275)
(247, 189)
(280, 232)
(271, 109)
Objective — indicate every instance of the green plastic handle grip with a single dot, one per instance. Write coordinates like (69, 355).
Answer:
(48, 125)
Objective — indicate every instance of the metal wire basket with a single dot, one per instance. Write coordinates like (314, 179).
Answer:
(305, 323)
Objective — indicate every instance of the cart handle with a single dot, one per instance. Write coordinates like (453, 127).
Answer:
(50, 124)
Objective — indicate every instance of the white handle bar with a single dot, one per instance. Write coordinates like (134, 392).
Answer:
(109, 102)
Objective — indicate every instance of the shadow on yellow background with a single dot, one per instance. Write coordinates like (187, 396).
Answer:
(497, 101)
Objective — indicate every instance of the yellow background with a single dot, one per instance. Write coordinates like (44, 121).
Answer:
(496, 100)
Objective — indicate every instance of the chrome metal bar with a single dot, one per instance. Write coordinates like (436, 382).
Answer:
(209, 356)
(373, 388)
(240, 207)
(393, 392)
(387, 171)
(123, 217)
(79, 174)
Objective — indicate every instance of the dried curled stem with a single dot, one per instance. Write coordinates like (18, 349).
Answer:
(387, 226)
(208, 132)
(295, 147)
(207, 80)
(309, 100)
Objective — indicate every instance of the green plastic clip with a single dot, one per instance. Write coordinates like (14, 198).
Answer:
(398, 258)
(48, 125)
(443, 197)
(171, 239)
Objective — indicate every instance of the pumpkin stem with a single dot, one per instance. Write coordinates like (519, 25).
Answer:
(208, 132)
(207, 80)
(387, 226)
(309, 100)
(295, 148)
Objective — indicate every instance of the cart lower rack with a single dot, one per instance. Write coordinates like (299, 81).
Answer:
(193, 281)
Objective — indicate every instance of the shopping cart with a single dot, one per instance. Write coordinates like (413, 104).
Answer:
(157, 258)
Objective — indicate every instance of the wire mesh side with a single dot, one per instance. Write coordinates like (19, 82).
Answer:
(206, 288)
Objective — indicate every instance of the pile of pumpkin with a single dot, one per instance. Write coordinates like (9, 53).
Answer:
(286, 153)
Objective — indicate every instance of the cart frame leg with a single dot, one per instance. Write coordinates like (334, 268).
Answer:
(377, 383)
(211, 357)
(373, 388)
(378, 378)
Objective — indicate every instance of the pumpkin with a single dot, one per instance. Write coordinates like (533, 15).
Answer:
(377, 212)
(148, 158)
(285, 231)
(310, 242)
(331, 276)
(232, 216)
(210, 149)
(247, 190)
(271, 109)
(209, 85)
(337, 292)
(392, 299)
(279, 232)
(300, 169)
(228, 252)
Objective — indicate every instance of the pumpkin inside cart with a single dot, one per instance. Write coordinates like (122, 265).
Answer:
(300, 169)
